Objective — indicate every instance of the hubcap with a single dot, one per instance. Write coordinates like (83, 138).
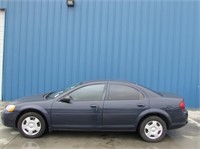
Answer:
(153, 129)
(31, 125)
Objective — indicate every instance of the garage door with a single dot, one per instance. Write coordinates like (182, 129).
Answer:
(2, 20)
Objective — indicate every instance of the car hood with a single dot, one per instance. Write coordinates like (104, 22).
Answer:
(39, 97)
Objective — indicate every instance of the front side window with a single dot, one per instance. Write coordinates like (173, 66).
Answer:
(123, 92)
(90, 92)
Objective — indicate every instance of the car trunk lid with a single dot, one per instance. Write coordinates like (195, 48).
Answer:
(169, 95)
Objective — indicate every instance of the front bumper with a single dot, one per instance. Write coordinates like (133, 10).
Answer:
(8, 118)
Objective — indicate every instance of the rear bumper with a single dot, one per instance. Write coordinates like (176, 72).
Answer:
(178, 125)
(182, 123)
(8, 118)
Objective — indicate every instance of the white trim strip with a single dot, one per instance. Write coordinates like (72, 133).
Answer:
(195, 122)
(2, 23)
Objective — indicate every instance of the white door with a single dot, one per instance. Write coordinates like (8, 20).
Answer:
(2, 22)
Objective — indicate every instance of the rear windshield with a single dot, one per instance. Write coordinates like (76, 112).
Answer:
(151, 90)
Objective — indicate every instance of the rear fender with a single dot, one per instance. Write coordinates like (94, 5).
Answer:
(154, 112)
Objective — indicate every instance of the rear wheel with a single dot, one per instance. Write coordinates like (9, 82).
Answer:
(31, 125)
(153, 129)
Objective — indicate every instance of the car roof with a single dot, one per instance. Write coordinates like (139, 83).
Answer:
(148, 91)
(106, 81)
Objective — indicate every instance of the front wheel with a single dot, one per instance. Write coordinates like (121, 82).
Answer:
(153, 129)
(31, 125)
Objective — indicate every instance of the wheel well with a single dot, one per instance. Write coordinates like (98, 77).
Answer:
(31, 110)
(164, 118)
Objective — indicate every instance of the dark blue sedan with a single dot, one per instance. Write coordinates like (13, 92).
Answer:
(98, 106)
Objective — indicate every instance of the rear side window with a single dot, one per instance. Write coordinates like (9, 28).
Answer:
(123, 92)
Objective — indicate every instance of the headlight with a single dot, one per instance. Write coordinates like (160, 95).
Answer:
(10, 108)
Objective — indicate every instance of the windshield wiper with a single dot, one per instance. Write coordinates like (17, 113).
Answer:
(47, 95)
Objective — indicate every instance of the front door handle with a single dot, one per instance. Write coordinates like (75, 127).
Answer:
(141, 105)
(95, 107)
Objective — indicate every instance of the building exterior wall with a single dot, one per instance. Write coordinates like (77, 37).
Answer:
(2, 24)
(49, 46)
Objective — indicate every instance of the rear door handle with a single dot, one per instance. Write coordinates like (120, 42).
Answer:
(95, 107)
(141, 105)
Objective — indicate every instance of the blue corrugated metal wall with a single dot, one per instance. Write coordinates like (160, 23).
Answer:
(49, 46)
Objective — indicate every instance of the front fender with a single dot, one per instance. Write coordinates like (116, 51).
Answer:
(38, 108)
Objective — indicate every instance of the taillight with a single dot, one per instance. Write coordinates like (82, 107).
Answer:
(182, 105)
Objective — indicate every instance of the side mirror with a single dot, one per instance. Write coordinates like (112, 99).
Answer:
(66, 99)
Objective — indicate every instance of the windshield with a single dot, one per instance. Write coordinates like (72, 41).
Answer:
(55, 94)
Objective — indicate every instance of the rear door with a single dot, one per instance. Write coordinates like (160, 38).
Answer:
(122, 105)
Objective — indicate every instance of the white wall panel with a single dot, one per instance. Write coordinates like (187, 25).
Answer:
(2, 22)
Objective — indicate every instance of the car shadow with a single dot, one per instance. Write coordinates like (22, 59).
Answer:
(94, 134)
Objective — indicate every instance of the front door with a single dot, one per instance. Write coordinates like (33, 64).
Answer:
(84, 111)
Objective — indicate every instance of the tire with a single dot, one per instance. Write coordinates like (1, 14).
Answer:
(31, 125)
(153, 129)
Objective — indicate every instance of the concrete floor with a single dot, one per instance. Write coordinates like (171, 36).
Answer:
(183, 138)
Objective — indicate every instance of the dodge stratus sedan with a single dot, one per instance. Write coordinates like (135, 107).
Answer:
(98, 106)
